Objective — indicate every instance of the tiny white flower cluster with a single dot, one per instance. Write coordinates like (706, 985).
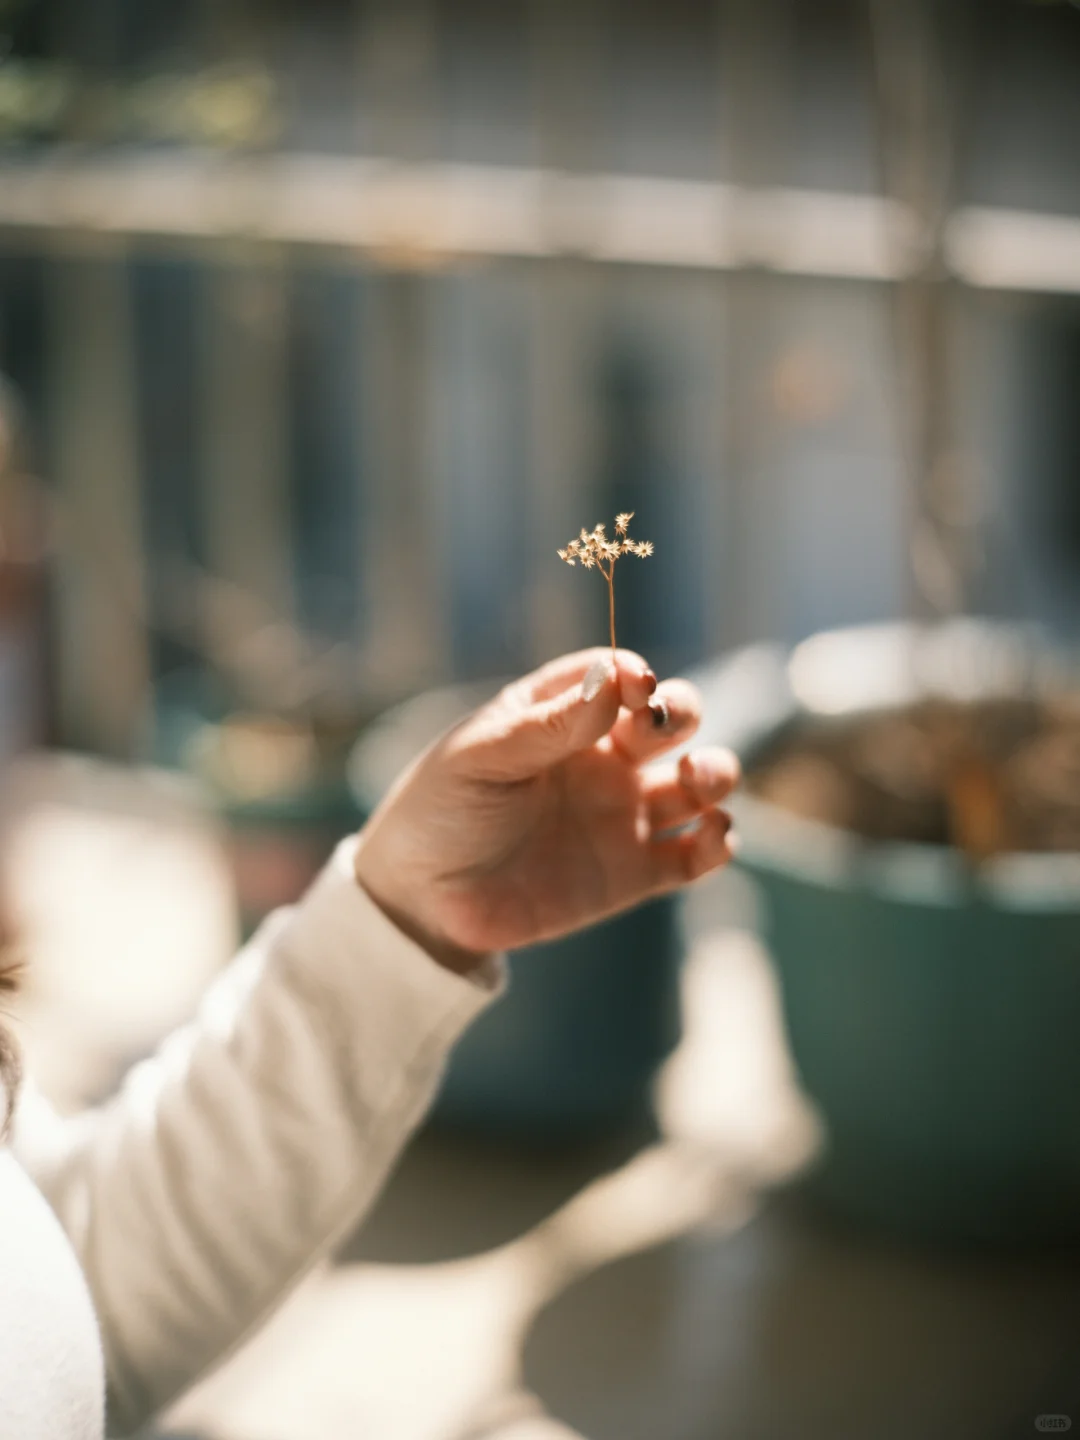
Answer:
(595, 550)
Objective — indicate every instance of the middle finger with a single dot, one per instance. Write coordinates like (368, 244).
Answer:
(671, 716)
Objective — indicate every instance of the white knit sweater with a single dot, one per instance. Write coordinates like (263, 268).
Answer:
(228, 1163)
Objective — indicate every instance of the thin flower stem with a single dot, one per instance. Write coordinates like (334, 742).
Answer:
(595, 551)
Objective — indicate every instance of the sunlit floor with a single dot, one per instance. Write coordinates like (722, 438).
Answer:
(669, 1286)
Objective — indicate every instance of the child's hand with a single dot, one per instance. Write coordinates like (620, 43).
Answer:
(533, 817)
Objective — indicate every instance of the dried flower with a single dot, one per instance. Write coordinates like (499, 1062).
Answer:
(596, 551)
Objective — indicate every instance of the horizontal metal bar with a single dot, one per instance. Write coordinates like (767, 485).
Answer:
(436, 214)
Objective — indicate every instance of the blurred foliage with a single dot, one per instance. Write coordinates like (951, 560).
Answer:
(225, 105)
(230, 105)
(34, 97)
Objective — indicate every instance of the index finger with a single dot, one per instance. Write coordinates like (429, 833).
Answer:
(636, 680)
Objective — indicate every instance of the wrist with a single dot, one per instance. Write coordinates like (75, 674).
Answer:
(441, 948)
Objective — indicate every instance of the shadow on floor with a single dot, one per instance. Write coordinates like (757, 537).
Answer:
(454, 1194)
(794, 1326)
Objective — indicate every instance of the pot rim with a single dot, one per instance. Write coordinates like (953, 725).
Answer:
(858, 669)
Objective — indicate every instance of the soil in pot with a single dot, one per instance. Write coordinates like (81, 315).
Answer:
(987, 777)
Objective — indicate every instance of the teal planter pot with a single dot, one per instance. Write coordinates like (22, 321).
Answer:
(936, 1025)
(933, 1012)
(573, 1046)
(280, 831)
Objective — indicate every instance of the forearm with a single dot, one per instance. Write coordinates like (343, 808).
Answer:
(255, 1138)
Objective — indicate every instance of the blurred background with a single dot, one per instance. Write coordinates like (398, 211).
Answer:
(332, 321)
(321, 326)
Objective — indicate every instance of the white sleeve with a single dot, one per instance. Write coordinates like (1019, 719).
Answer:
(255, 1138)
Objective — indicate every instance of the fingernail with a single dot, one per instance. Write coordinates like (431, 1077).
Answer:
(650, 681)
(598, 673)
(660, 713)
(698, 771)
(733, 841)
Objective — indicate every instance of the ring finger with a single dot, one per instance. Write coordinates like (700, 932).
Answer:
(678, 792)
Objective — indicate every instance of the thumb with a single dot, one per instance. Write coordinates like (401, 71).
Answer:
(515, 744)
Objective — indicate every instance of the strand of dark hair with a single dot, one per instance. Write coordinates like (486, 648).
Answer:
(10, 1058)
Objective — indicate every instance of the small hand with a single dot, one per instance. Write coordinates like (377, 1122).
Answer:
(534, 816)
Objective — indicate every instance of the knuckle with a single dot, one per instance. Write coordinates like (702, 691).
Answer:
(554, 723)
(695, 863)
(512, 698)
